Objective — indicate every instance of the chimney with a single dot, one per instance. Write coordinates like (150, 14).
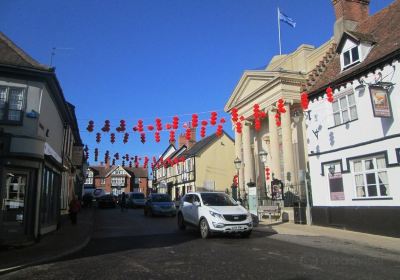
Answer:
(348, 14)
(182, 139)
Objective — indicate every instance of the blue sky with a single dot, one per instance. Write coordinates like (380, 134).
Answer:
(144, 59)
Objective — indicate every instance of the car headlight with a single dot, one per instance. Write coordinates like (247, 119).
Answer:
(216, 215)
(249, 216)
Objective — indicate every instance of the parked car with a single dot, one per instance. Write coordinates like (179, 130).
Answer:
(214, 212)
(106, 201)
(97, 193)
(159, 204)
(136, 199)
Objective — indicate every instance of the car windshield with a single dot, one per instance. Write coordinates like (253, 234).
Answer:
(161, 198)
(138, 196)
(217, 199)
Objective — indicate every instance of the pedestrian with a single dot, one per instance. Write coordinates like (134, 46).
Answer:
(123, 201)
(74, 207)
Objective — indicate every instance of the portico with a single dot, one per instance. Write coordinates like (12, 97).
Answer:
(282, 79)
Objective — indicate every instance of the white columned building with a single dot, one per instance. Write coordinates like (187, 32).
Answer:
(284, 79)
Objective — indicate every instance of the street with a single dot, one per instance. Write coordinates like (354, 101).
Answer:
(128, 245)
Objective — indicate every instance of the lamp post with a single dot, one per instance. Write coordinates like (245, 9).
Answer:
(296, 119)
(238, 165)
(263, 157)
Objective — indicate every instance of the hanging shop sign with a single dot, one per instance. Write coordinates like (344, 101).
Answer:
(380, 102)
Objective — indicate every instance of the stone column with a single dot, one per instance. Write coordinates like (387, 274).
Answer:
(274, 146)
(247, 156)
(287, 144)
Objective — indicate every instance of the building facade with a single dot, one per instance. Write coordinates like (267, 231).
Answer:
(39, 147)
(206, 166)
(284, 140)
(354, 140)
(116, 179)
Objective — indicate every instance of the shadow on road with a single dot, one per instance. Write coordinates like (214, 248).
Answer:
(109, 245)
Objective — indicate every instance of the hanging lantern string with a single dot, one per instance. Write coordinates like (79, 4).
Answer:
(161, 117)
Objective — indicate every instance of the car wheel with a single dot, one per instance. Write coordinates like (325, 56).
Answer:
(181, 222)
(245, 234)
(204, 229)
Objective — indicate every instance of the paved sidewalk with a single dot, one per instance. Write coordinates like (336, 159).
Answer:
(67, 240)
(370, 240)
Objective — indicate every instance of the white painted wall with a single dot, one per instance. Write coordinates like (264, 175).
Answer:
(365, 128)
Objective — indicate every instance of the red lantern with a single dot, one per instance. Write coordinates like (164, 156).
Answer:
(263, 115)
(256, 111)
(140, 126)
(113, 161)
(222, 120)
(234, 115)
(158, 124)
(188, 134)
(329, 94)
(157, 136)
(123, 163)
(304, 100)
(143, 137)
(204, 122)
(175, 122)
(98, 137)
(96, 154)
(168, 126)
(106, 127)
(112, 138)
(239, 127)
(213, 118)
(90, 126)
(171, 136)
(219, 131)
(278, 119)
(257, 124)
(121, 127)
(150, 127)
(203, 132)
(126, 136)
(281, 106)
(241, 118)
(195, 120)
(267, 173)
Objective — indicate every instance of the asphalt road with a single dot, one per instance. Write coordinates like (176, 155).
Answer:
(130, 246)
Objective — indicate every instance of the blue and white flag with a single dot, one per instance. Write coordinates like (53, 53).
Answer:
(285, 18)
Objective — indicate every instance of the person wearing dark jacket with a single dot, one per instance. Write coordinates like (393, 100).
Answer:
(123, 201)
(74, 207)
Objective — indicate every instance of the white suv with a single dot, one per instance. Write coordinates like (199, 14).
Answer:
(214, 212)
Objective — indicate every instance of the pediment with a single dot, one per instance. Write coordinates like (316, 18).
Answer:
(249, 84)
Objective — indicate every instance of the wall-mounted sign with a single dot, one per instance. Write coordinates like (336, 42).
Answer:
(380, 102)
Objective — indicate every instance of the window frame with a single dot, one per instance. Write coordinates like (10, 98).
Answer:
(352, 62)
(7, 106)
(376, 171)
(341, 110)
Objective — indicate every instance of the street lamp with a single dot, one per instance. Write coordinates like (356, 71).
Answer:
(238, 165)
(263, 156)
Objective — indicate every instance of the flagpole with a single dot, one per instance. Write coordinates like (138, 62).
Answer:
(279, 34)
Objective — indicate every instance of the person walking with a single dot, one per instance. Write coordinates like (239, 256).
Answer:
(123, 201)
(74, 207)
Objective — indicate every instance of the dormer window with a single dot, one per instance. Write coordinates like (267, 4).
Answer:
(353, 48)
(350, 57)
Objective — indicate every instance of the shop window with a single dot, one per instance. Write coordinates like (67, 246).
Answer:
(370, 177)
(14, 200)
